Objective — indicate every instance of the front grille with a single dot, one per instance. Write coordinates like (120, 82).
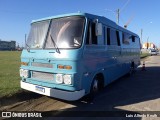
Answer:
(42, 65)
(42, 75)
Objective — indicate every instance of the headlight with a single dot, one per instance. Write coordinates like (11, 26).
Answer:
(67, 79)
(25, 73)
(59, 78)
(21, 72)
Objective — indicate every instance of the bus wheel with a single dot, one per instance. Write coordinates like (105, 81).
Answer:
(94, 87)
(93, 91)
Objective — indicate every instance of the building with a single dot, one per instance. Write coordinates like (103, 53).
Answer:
(148, 46)
(7, 45)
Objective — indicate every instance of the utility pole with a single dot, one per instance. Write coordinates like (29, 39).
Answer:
(118, 11)
(141, 36)
(147, 42)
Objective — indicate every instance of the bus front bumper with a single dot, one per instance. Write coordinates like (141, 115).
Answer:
(65, 95)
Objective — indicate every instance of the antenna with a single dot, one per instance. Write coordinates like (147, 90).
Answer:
(141, 36)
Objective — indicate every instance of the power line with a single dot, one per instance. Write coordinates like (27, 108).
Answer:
(117, 12)
(122, 8)
(22, 12)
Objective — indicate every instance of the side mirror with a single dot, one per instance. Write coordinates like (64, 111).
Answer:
(98, 29)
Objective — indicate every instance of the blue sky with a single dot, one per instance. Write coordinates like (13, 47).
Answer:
(16, 15)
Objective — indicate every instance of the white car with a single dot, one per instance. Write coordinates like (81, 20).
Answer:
(153, 52)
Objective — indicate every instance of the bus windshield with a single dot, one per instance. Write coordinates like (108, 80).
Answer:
(64, 32)
(37, 34)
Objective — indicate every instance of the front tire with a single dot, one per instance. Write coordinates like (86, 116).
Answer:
(93, 90)
(95, 86)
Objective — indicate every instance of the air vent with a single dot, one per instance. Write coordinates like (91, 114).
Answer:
(45, 65)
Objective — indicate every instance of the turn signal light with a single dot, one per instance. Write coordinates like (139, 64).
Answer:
(60, 67)
(67, 67)
(24, 63)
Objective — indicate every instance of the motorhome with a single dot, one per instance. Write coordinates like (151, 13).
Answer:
(73, 55)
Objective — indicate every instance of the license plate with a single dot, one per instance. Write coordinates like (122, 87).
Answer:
(40, 89)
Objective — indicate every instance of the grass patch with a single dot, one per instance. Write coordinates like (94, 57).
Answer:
(9, 72)
(143, 55)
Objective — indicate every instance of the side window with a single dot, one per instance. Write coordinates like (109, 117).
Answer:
(118, 38)
(91, 36)
(126, 38)
(94, 37)
(113, 37)
(133, 38)
(108, 36)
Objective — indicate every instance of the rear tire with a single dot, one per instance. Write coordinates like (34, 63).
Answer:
(132, 69)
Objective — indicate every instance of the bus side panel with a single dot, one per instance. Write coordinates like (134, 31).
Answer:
(112, 61)
(97, 59)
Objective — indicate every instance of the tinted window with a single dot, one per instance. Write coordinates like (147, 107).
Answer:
(94, 37)
(133, 38)
(118, 38)
(108, 36)
(113, 37)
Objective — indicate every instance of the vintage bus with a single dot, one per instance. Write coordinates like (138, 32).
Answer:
(73, 55)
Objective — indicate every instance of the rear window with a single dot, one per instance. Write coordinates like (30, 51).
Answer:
(153, 50)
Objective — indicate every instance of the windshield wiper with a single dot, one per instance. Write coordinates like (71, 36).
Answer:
(55, 45)
(28, 47)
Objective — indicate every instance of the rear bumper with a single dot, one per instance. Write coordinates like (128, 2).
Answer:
(153, 53)
(65, 95)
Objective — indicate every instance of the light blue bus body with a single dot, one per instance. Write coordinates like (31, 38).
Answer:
(68, 73)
